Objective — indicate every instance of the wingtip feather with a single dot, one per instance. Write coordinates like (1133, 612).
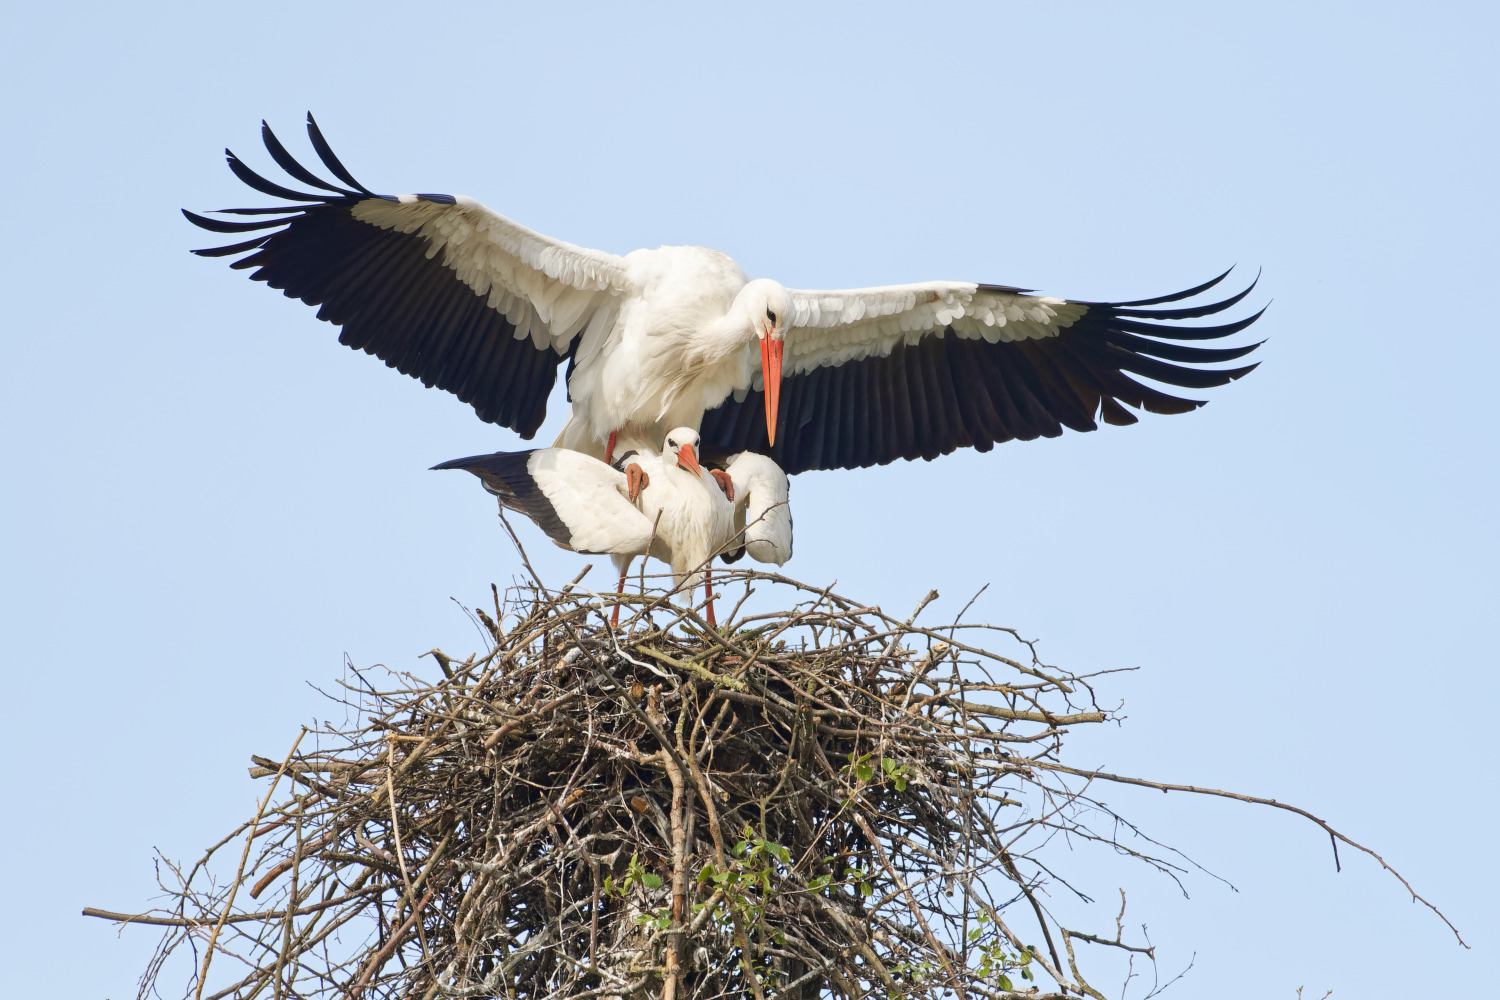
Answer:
(326, 154)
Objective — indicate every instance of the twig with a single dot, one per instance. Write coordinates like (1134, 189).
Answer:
(1333, 835)
(239, 874)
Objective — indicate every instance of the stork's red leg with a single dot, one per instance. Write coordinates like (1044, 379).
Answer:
(609, 449)
(725, 483)
(614, 619)
(708, 592)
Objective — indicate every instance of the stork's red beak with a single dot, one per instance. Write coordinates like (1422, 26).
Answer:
(770, 367)
(688, 459)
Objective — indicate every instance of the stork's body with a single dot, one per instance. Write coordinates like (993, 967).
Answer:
(692, 517)
(677, 349)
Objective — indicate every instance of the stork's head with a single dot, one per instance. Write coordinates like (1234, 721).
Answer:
(682, 444)
(768, 307)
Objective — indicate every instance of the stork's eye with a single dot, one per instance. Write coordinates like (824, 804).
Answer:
(770, 316)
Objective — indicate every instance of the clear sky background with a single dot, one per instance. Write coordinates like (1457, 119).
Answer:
(208, 502)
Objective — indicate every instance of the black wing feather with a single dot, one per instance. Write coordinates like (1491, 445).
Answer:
(233, 248)
(1189, 312)
(325, 153)
(287, 162)
(224, 226)
(259, 183)
(1176, 296)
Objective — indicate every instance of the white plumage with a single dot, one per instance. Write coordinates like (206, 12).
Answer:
(762, 511)
(693, 518)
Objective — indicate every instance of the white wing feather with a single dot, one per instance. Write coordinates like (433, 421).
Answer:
(832, 327)
(590, 499)
(548, 289)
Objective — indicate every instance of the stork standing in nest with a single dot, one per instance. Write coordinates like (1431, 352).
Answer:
(663, 504)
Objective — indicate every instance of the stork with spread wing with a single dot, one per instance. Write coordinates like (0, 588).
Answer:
(449, 292)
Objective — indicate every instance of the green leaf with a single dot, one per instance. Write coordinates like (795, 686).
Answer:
(740, 849)
(974, 934)
(888, 765)
(707, 872)
(864, 772)
(865, 889)
(900, 784)
(819, 882)
(1003, 981)
(651, 881)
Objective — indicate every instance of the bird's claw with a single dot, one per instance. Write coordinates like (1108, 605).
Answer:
(725, 483)
(635, 481)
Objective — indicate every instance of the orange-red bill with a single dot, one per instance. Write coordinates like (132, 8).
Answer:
(688, 459)
(770, 368)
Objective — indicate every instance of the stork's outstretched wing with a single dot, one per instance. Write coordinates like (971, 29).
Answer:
(437, 286)
(915, 371)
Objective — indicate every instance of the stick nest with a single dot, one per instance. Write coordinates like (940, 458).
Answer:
(819, 801)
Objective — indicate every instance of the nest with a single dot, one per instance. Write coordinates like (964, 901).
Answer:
(813, 802)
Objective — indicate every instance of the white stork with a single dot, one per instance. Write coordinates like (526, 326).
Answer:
(662, 504)
(762, 515)
(462, 298)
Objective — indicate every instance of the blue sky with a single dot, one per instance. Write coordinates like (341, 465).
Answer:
(209, 502)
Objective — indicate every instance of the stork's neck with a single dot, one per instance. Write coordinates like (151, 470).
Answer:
(727, 336)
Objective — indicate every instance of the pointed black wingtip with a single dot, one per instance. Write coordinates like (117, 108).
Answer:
(1255, 316)
(1174, 296)
(326, 154)
(467, 463)
(1259, 273)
